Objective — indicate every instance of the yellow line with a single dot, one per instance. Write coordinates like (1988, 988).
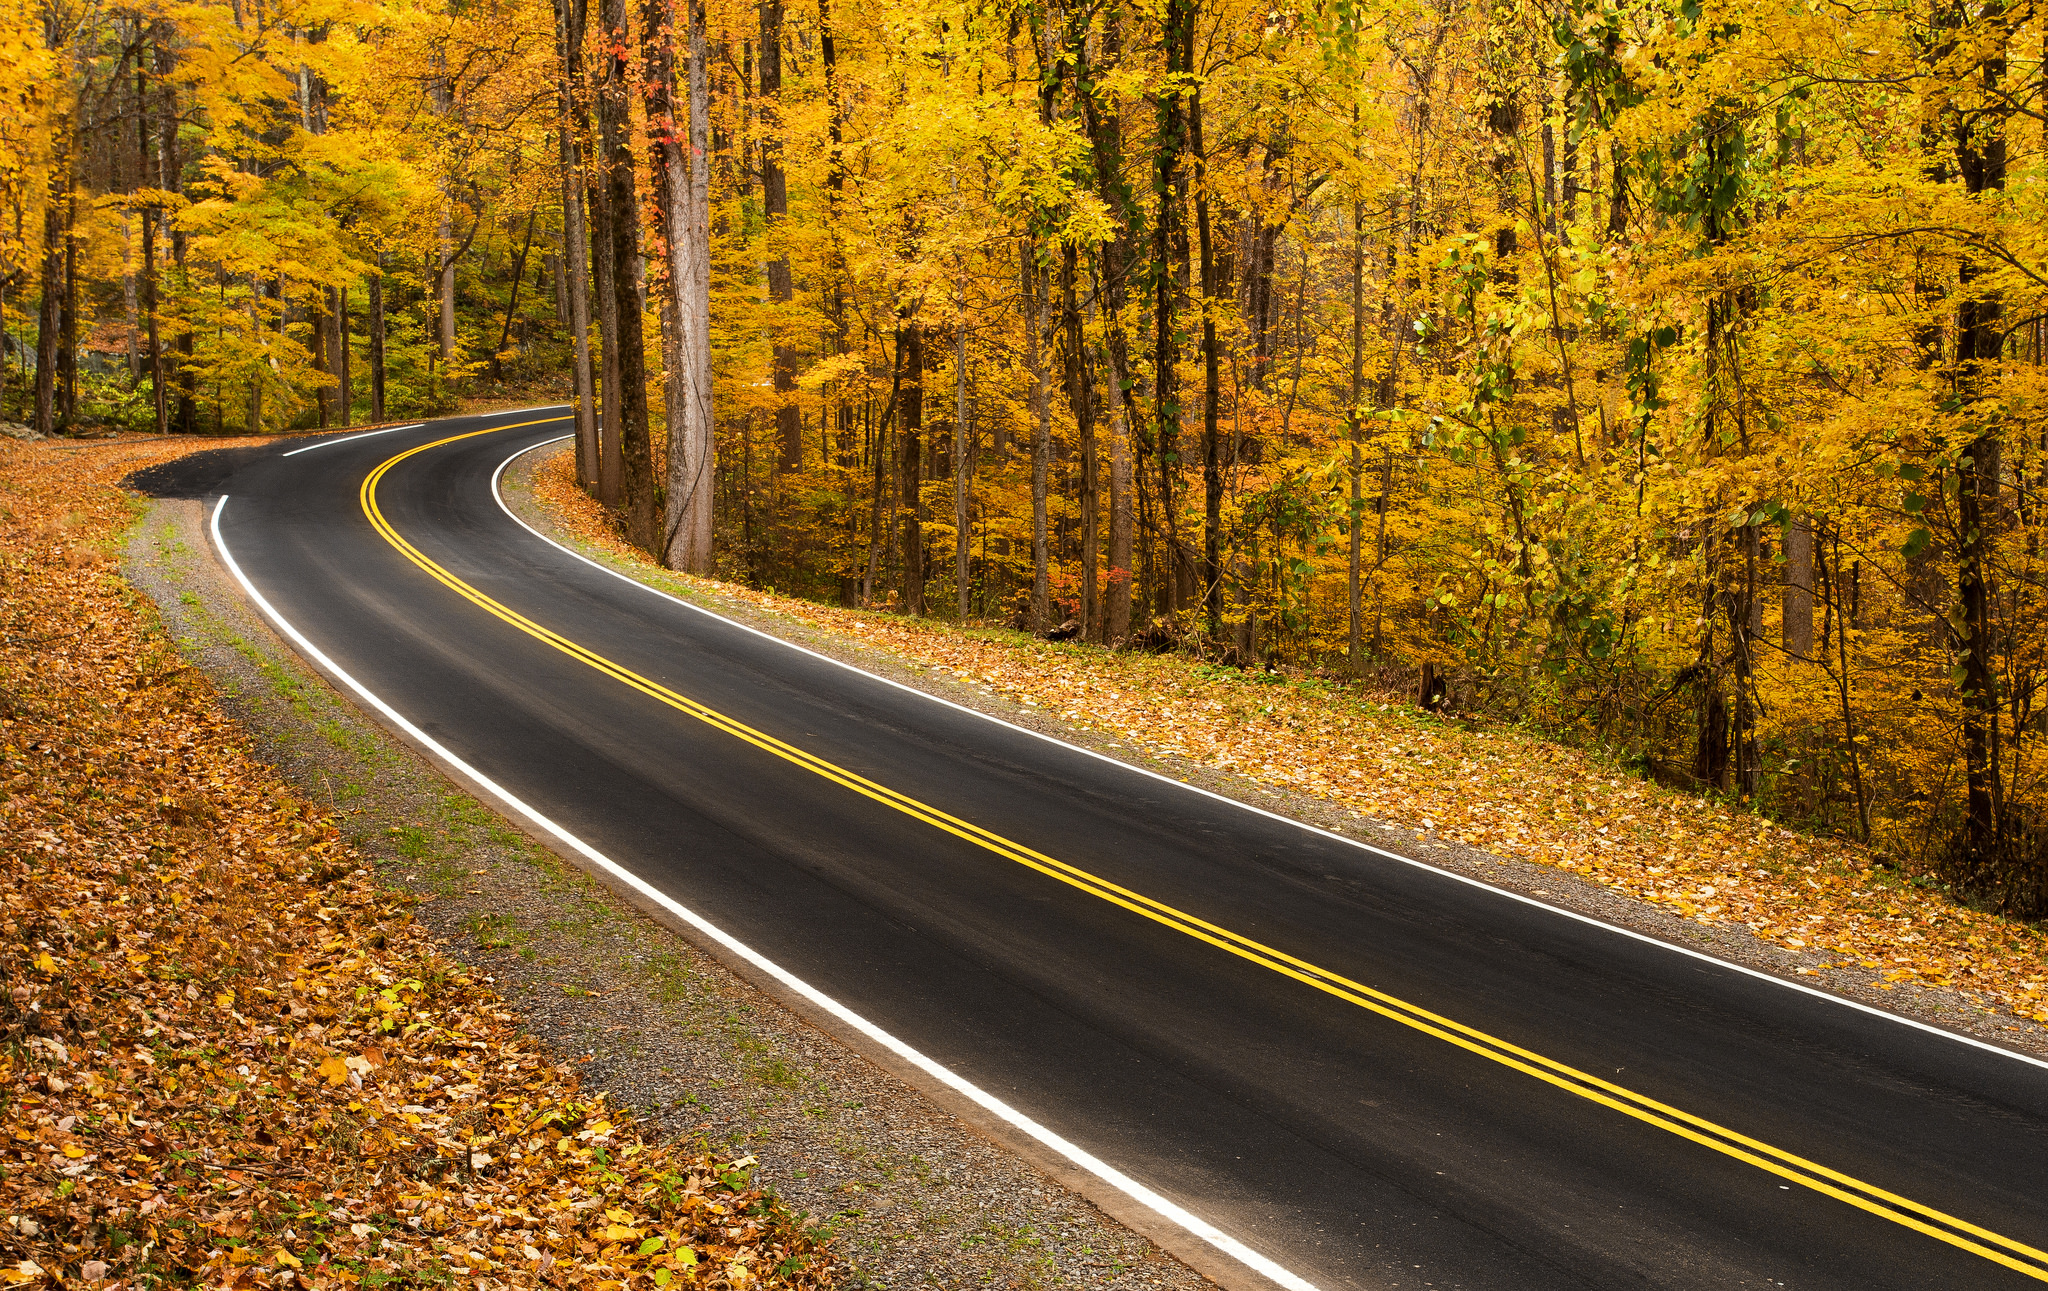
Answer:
(1784, 1164)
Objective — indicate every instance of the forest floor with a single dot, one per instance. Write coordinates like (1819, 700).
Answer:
(1505, 805)
(229, 1050)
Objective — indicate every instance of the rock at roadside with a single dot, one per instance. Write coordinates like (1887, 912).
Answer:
(14, 431)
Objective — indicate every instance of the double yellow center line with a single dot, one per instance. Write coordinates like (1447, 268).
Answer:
(1900, 1210)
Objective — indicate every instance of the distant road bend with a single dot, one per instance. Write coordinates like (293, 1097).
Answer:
(1311, 1063)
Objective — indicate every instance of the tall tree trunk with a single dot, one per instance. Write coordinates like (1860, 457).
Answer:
(1212, 396)
(1080, 380)
(145, 155)
(610, 478)
(570, 19)
(1037, 317)
(131, 297)
(1168, 237)
(1710, 752)
(878, 458)
(1104, 124)
(789, 437)
(1354, 433)
(342, 366)
(445, 289)
(1798, 611)
(1980, 343)
(963, 457)
(67, 315)
(681, 171)
(49, 317)
(614, 115)
(910, 345)
(377, 342)
(321, 351)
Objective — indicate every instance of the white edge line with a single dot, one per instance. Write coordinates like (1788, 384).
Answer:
(350, 439)
(1481, 884)
(1138, 1192)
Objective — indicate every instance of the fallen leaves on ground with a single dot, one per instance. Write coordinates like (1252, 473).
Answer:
(229, 1056)
(1506, 791)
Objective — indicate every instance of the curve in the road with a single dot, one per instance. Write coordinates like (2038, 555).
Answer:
(1900, 1210)
(1373, 1155)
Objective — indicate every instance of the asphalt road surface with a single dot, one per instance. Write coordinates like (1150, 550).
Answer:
(1362, 1072)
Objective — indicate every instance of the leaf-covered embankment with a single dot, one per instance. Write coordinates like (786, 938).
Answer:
(1508, 792)
(227, 1054)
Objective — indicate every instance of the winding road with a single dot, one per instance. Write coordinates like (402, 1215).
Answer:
(1323, 1065)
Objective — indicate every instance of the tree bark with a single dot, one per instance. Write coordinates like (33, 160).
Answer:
(445, 289)
(1354, 433)
(789, 438)
(609, 478)
(614, 114)
(1037, 318)
(571, 17)
(377, 342)
(682, 180)
(67, 315)
(49, 316)
(910, 346)
(1177, 35)
(963, 456)
(1104, 124)
(1981, 160)
(343, 358)
(1798, 611)
(1080, 380)
(1212, 396)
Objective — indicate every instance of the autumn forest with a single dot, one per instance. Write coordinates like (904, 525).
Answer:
(1665, 376)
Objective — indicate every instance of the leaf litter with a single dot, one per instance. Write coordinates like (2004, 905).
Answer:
(229, 1056)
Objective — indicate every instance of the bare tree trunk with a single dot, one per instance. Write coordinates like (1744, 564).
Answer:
(1798, 612)
(878, 457)
(1169, 235)
(49, 328)
(1037, 314)
(610, 479)
(789, 437)
(1212, 395)
(377, 342)
(963, 455)
(67, 315)
(1081, 399)
(131, 297)
(342, 365)
(1116, 623)
(1104, 124)
(1355, 619)
(682, 176)
(570, 18)
(445, 286)
(910, 344)
(614, 114)
(321, 351)
(144, 155)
